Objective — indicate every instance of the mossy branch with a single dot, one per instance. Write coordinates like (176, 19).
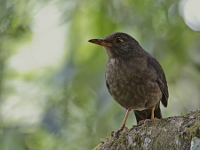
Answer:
(173, 133)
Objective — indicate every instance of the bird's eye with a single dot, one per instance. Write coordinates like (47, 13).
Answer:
(118, 40)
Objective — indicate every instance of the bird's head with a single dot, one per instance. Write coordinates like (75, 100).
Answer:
(118, 45)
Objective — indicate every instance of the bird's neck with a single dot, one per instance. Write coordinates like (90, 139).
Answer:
(130, 62)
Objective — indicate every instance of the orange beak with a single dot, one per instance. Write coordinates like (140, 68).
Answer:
(100, 42)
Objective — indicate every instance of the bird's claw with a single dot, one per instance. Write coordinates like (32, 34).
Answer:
(117, 132)
(147, 120)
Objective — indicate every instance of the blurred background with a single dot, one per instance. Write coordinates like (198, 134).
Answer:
(52, 87)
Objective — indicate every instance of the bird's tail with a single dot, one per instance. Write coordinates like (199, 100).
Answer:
(146, 114)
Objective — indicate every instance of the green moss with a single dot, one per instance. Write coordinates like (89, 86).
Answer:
(194, 129)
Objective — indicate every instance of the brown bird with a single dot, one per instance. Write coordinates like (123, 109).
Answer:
(134, 78)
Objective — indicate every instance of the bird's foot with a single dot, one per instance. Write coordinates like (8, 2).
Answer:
(117, 132)
(147, 120)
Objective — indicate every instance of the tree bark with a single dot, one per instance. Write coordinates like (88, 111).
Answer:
(173, 133)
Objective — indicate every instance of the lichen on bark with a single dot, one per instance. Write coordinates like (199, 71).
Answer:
(174, 133)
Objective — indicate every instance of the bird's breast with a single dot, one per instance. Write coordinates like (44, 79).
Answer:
(131, 86)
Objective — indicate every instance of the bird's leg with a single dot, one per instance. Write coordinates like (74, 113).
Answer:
(125, 118)
(123, 123)
(152, 112)
(152, 116)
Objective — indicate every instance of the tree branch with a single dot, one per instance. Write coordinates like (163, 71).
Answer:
(173, 133)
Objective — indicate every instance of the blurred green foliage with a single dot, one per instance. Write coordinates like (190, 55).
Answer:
(68, 106)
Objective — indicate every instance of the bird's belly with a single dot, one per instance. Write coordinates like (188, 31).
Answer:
(133, 91)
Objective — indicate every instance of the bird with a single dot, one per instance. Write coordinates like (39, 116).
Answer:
(134, 78)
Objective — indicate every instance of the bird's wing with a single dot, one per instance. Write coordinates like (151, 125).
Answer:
(108, 86)
(161, 80)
